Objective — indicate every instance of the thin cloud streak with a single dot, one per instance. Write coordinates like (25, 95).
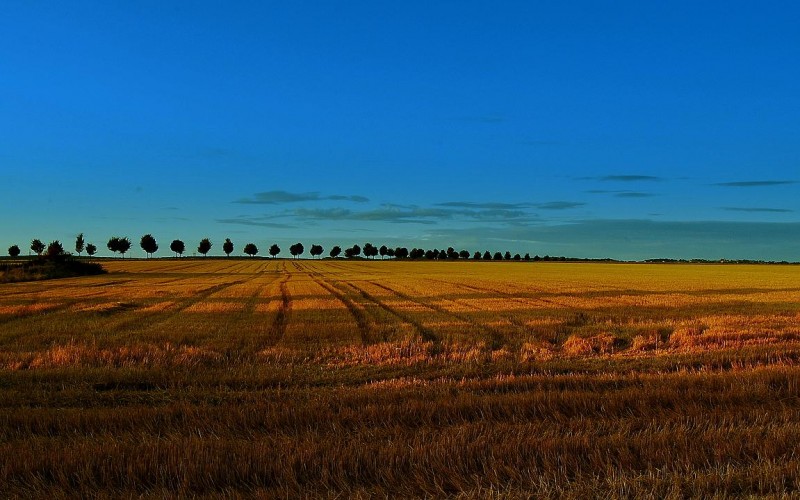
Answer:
(754, 183)
(560, 205)
(246, 221)
(280, 197)
(758, 209)
(550, 205)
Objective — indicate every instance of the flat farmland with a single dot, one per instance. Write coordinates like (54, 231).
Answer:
(282, 378)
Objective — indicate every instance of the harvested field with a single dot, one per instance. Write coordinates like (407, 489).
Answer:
(355, 378)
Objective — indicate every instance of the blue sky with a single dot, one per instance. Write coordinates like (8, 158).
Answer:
(629, 130)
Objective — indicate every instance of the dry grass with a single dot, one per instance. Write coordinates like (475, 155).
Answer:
(360, 379)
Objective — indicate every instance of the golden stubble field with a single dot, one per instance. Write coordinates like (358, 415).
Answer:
(353, 378)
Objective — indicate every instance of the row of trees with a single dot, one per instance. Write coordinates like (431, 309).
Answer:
(150, 246)
(56, 248)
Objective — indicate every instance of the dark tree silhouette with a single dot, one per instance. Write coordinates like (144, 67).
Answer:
(296, 250)
(464, 254)
(517, 257)
(536, 258)
(37, 246)
(227, 247)
(13, 251)
(178, 247)
(124, 246)
(390, 252)
(417, 253)
(507, 255)
(335, 251)
(401, 252)
(383, 251)
(79, 244)
(430, 254)
(498, 256)
(477, 255)
(91, 249)
(527, 257)
(251, 249)
(274, 250)
(205, 246)
(148, 244)
(355, 251)
(55, 249)
(316, 250)
(369, 250)
(119, 245)
(487, 255)
(113, 244)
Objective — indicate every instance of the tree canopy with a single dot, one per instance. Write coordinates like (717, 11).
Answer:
(251, 249)
(55, 249)
(37, 246)
(369, 250)
(119, 245)
(227, 247)
(79, 244)
(296, 250)
(274, 250)
(335, 251)
(13, 251)
(205, 246)
(148, 244)
(178, 247)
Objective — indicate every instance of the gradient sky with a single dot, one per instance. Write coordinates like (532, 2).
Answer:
(629, 130)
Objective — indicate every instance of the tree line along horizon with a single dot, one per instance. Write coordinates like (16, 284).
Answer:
(149, 245)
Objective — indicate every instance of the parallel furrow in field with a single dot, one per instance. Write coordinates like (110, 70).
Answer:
(358, 315)
(278, 328)
(112, 283)
(424, 332)
(26, 315)
(485, 329)
(491, 292)
(171, 312)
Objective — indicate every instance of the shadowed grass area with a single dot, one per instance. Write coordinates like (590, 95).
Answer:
(48, 268)
(359, 379)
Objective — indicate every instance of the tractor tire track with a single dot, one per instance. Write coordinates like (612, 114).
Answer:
(424, 332)
(278, 329)
(495, 335)
(505, 295)
(364, 324)
(171, 312)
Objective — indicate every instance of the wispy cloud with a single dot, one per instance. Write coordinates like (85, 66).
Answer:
(559, 205)
(400, 214)
(487, 205)
(621, 194)
(281, 197)
(255, 221)
(550, 205)
(758, 209)
(755, 183)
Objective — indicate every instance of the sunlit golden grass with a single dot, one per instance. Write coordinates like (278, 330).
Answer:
(280, 378)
